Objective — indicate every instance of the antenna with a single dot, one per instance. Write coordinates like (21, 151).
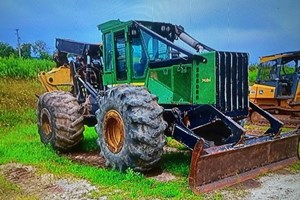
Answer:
(18, 42)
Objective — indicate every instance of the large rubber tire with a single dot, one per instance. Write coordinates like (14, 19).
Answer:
(130, 128)
(60, 120)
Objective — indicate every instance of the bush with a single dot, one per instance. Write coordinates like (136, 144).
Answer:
(252, 74)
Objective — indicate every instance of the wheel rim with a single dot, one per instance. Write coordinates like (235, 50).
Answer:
(46, 122)
(114, 132)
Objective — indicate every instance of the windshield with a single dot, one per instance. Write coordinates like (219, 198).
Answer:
(268, 71)
(289, 67)
(158, 49)
(277, 69)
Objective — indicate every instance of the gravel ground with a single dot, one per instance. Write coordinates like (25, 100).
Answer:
(281, 184)
(277, 186)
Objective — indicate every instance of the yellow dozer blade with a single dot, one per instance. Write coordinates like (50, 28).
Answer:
(225, 165)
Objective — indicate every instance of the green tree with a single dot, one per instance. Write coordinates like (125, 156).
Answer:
(26, 50)
(40, 49)
(6, 50)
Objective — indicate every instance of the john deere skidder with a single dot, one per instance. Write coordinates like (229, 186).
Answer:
(140, 86)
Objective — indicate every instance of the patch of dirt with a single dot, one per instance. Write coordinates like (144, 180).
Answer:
(250, 184)
(46, 186)
(88, 158)
(164, 177)
(160, 175)
(95, 159)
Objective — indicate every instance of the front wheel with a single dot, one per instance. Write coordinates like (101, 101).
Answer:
(130, 128)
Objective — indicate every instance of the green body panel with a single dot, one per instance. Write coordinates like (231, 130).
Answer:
(204, 80)
(164, 93)
(171, 84)
(108, 78)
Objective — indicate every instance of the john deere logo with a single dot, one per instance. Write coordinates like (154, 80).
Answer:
(206, 80)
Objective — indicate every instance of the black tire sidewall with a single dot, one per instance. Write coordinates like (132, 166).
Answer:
(44, 138)
(118, 106)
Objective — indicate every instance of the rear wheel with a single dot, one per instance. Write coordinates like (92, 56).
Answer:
(60, 120)
(130, 128)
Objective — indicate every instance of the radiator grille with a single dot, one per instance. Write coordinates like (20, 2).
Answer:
(232, 82)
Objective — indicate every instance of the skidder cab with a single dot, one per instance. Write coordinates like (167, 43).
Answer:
(149, 87)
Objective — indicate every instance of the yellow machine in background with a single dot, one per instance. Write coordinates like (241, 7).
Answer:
(277, 87)
(59, 76)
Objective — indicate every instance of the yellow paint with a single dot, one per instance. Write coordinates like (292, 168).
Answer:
(276, 56)
(137, 84)
(60, 76)
(258, 91)
(206, 80)
(134, 84)
(297, 95)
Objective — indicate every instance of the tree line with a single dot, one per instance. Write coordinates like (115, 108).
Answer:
(37, 49)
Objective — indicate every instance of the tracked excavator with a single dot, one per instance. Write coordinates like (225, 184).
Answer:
(140, 86)
(277, 88)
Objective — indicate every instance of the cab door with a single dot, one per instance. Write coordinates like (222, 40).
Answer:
(115, 59)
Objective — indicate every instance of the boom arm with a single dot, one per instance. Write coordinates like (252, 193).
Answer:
(171, 32)
(189, 40)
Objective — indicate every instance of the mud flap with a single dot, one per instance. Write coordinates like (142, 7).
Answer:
(226, 165)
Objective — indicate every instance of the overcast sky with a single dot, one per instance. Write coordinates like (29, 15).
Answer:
(259, 27)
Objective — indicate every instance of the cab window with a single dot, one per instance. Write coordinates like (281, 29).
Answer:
(139, 58)
(120, 56)
(108, 51)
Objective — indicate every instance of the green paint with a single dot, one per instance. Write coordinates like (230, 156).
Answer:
(171, 84)
(164, 93)
(112, 25)
(204, 80)
(182, 82)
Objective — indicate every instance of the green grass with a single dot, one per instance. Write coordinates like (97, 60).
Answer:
(178, 163)
(7, 187)
(23, 68)
(89, 143)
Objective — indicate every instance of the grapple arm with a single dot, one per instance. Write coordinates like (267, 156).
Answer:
(56, 77)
